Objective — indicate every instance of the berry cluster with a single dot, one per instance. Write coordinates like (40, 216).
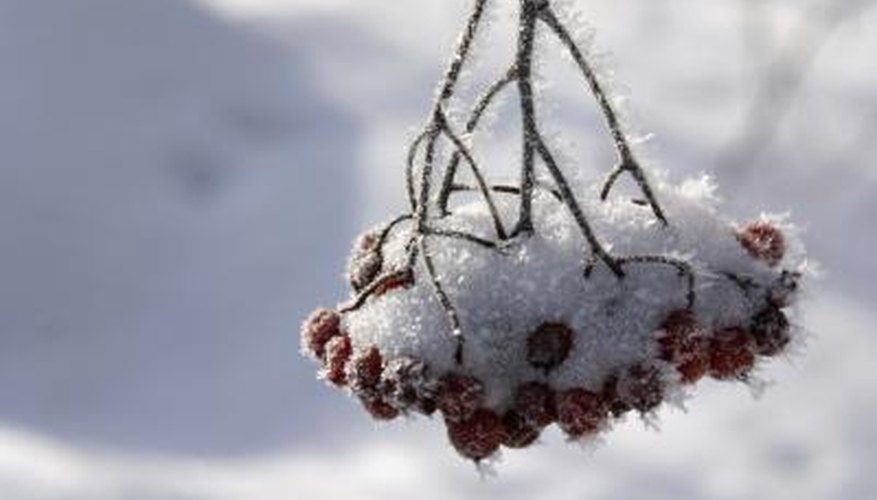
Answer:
(685, 351)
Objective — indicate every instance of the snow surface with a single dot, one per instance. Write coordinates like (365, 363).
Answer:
(165, 228)
(503, 296)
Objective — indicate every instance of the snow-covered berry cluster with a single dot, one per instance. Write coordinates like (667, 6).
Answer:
(542, 337)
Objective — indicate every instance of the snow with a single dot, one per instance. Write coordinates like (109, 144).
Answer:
(502, 296)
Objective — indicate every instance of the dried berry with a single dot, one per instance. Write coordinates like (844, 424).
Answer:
(534, 402)
(365, 260)
(682, 345)
(580, 412)
(321, 326)
(641, 387)
(731, 353)
(338, 351)
(478, 436)
(549, 345)
(378, 408)
(518, 432)
(459, 396)
(763, 241)
(366, 369)
(770, 328)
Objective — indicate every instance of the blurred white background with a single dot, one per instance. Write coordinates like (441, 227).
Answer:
(180, 182)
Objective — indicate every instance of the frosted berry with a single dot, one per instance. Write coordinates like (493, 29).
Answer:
(407, 382)
(534, 402)
(641, 387)
(338, 351)
(763, 241)
(549, 345)
(770, 328)
(478, 436)
(366, 369)
(321, 326)
(378, 408)
(459, 396)
(365, 260)
(580, 412)
(683, 346)
(731, 353)
(518, 432)
(398, 279)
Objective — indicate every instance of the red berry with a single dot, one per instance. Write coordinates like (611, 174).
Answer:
(321, 326)
(763, 241)
(641, 387)
(459, 396)
(398, 279)
(549, 345)
(365, 260)
(367, 369)
(518, 432)
(338, 352)
(731, 353)
(580, 412)
(534, 402)
(693, 359)
(378, 408)
(680, 323)
(684, 347)
(478, 436)
(770, 328)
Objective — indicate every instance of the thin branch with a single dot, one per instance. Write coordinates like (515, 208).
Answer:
(474, 119)
(524, 64)
(569, 200)
(460, 235)
(684, 269)
(479, 178)
(626, 160)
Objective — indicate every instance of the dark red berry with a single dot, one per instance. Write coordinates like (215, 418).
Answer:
(693, 359)
(683, 345)
(518, 432)
(407, 383)
(367, 369)
(549, 345)
(580, 412)
(763, 241)
(398, 279)
(378, 408)
(641, 387)
(338, 351)
(680, 323)
(770, 328)
(459, 396)
(731, 353)
(365, 260)
(534, 402)
(478, 436)
(321, 326)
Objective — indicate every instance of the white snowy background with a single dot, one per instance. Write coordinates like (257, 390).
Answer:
(180, 182)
